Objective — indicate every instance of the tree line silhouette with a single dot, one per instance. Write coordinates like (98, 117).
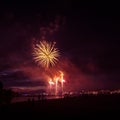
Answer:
(6, 95)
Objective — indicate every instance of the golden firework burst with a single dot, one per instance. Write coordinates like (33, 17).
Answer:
(45, 54)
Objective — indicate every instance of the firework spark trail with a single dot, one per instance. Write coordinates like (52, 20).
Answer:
(51, 83)
(61, 80)
(45, 54)
(56, 84)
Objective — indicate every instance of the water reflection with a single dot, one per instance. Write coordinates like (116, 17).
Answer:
(36, 98)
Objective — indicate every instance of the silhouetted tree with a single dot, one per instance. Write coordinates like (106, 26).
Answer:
(6, 95)
(1, 85)
(1, 92)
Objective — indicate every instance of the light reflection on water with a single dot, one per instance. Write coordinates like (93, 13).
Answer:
(35, 98)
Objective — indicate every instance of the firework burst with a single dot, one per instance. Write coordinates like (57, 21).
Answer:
(45, 54)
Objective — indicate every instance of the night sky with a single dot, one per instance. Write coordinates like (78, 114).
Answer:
(87, 35)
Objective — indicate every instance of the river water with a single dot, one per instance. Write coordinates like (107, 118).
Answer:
(35, 98)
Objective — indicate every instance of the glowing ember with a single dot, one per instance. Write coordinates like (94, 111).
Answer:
(45, 54)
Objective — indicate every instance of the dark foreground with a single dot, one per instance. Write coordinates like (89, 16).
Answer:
(98, 107)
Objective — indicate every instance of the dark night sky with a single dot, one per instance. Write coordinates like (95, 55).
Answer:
(88, 35)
